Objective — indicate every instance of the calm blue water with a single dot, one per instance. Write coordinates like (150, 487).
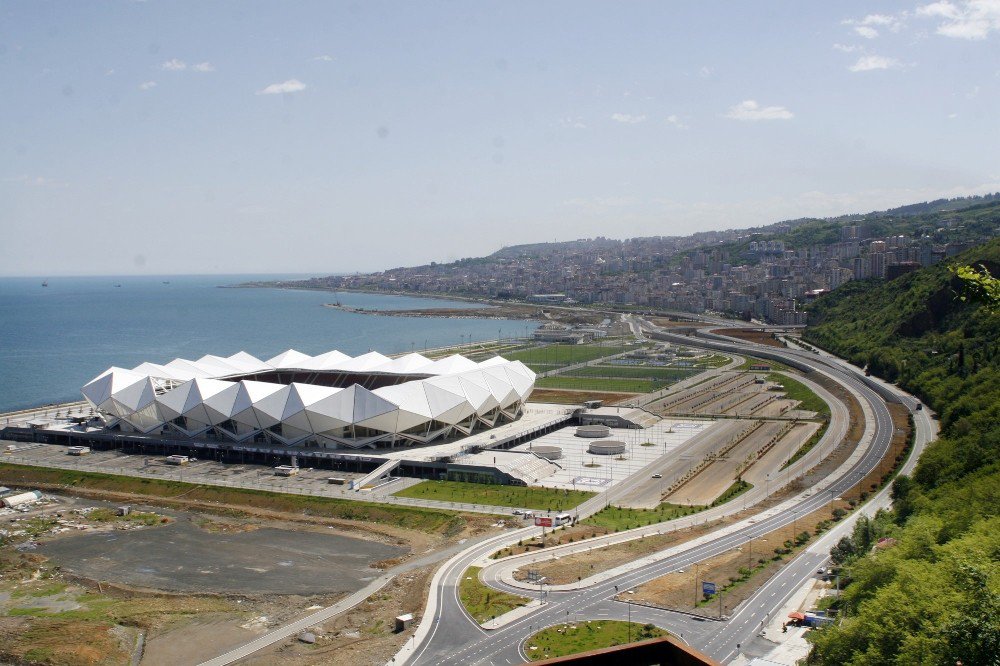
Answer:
(55, 339)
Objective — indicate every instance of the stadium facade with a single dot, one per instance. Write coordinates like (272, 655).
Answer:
(329, 401)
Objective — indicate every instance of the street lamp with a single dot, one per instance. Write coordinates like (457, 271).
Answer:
(629, 620)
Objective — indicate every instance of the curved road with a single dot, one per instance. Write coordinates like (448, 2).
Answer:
(450, 636)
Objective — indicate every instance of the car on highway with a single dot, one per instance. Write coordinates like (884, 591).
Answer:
(657, 476)
(518, 512)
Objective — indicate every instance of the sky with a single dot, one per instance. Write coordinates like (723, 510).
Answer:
(325, 137)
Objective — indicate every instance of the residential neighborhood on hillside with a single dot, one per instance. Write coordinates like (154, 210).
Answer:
(766, 273)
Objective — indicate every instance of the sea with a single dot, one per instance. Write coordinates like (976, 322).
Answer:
(56, 338)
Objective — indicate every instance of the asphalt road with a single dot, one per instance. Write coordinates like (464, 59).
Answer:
(454, 638)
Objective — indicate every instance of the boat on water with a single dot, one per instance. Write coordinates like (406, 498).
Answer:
(45, 283)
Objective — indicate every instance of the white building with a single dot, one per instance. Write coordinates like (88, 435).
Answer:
(331, 400)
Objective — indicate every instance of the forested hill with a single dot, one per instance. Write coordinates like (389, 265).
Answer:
(933, 596)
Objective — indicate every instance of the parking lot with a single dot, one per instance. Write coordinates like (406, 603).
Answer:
(308, 480)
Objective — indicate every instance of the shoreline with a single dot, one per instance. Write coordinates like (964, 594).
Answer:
(556, 312)
(499, 313)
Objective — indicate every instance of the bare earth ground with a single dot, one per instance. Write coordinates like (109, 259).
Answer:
(672, 323)
(362, 636)
(55, 617)
(751, 336)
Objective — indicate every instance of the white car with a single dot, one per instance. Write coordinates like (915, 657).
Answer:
(657, 476)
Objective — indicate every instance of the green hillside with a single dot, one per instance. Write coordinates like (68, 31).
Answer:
(933, 595)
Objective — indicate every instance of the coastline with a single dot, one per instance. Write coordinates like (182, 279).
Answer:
(514, 309)
(497, 312)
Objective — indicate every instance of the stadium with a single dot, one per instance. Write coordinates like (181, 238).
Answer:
(331, 401)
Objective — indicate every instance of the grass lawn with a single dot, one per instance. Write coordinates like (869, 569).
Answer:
(750, 360)
(484, 603)
(632, 372)
(732, 492)
(621, 518)
(481, 493)
(562, 355)
(570, 638)
(600, 384)
(713, 361)
(796, 390)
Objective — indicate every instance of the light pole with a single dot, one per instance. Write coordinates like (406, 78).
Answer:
(696, 564)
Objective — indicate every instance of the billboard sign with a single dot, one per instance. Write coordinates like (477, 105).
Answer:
(708, 589)
(543, 521)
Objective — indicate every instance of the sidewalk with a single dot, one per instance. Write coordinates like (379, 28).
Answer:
(791, 645)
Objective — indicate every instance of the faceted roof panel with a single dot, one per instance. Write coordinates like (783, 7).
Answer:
(210, 392)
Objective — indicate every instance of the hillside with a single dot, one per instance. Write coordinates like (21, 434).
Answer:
(933, 596)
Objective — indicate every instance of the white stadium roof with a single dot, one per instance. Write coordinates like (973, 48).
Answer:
(428, 399)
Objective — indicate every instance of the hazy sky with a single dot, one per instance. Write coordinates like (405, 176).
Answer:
(177, 137)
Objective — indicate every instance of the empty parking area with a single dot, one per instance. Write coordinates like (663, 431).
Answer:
(182, 556)
(312, 480)
(731, 394)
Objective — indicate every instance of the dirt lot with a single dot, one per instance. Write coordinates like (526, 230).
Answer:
(56, 615)
(751, 335)
(181, 556)
(362, 636)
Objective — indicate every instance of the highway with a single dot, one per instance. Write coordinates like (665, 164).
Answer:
(449, 636)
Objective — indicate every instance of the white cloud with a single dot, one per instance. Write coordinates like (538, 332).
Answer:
(868, 27)
(147, 85)
(952, 116)
(847, 48)
(324, 58)
(870, 62)
(283, 88)
(203, 67)
(628, 118)
(674, 120)
(891, 22)
(705, 72)
(174, 65)
(573, 122)
(750, 110)
(972, 19)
